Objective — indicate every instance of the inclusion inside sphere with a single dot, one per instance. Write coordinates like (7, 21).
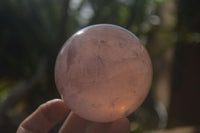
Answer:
(103, 73)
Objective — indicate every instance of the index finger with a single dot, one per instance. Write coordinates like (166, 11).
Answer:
(120, 126)
(45, 117)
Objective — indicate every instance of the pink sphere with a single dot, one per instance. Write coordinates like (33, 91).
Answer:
(103, 73)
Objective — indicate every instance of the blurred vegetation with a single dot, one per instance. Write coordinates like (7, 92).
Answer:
(33, 31)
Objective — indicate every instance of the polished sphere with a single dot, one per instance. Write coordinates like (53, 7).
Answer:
(103, 73)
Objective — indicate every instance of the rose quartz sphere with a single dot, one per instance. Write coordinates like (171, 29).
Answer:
(103, 73)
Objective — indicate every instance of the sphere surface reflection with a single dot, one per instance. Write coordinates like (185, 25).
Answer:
(103, 73)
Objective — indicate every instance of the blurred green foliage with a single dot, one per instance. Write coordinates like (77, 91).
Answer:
(33, 30)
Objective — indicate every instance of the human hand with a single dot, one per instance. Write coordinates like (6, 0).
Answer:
(51, 112)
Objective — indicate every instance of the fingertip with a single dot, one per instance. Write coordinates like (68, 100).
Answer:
(21, 130)
(74, 124)
(120, 126)
(45, 117)
(54, 110)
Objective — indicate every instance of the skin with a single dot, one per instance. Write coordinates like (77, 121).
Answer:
(50, 113)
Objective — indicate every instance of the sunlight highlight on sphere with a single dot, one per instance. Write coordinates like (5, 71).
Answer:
(103, 73)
